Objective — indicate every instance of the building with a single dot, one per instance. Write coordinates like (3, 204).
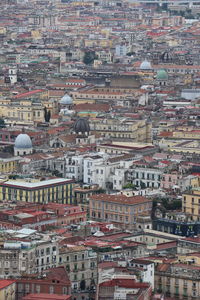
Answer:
(119, 208)
(122, 129)
(81, 263)
(147, 273)
(178, 280)
(9, 164)
(53, 190)
(191, 204)
(7, 289)
(23, 145)
(123, 289)
(28, 255)
(150, 177)
(54, 281)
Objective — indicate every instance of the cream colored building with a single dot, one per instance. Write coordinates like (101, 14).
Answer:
(25, 111)
(122, 129)
(7, 289)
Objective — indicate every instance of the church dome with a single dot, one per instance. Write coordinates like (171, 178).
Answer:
(81, 125)
(166, 56)
(162, 75)
(23, 141)
(66, 100)
(145, 65)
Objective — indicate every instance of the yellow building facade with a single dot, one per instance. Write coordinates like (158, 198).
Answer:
(57, 190)
(191, 203)
(8, 165)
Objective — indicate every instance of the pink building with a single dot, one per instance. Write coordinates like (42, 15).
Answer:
(170, 180)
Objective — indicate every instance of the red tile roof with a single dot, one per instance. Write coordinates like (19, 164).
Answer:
(126, 283)
(43, 296)
(5, 282)
(120, 199)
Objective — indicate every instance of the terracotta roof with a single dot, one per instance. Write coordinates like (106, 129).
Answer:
(4, 283)
(126, 283)
(122, 199)
(43, 296)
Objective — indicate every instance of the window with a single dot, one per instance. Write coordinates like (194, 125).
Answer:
(51, 289)
(37, 288)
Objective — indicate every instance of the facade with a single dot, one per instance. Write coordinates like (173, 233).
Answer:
(53, 282)
(53, 190)
(122, 129)
(191, 204)
(123, 289)
(119, 208)
(81, 263)
(9, 165)
(150, 177)
(17, 258)
(147, 274)
(179, 281)
(7, 289)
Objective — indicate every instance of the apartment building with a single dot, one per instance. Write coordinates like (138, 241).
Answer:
(81, 264)
(149, 177)
(122, 129)
(191, 203)
(9, 165)
(53, 190)
(178, 280)
(28, 257)
(54, 281)
(119, 208)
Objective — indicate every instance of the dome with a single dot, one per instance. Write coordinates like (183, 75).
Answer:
(166, 56)
(66, 100)
(162, 75)
(23, 141)
(145, 65)
(81, 125)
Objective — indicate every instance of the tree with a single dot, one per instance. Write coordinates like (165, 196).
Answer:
(2, 123)
(47, 115)
(129, 186)
(89, 57)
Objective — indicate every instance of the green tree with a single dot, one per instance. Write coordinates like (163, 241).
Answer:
(2, 123)
(47, 115)
(89, 57)
(129, 186)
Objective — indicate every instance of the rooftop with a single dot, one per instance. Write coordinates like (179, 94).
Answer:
(121, 199)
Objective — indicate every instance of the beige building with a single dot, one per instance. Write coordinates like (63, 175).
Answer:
(81, 263)
(121, 129)
(25, 109)
(7, 289)
(119, 209)
(178, 280)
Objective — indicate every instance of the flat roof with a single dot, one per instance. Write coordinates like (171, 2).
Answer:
(35, 184)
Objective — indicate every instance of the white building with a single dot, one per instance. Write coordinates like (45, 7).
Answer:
(151, 177)
(74, 167)
(147, 273)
